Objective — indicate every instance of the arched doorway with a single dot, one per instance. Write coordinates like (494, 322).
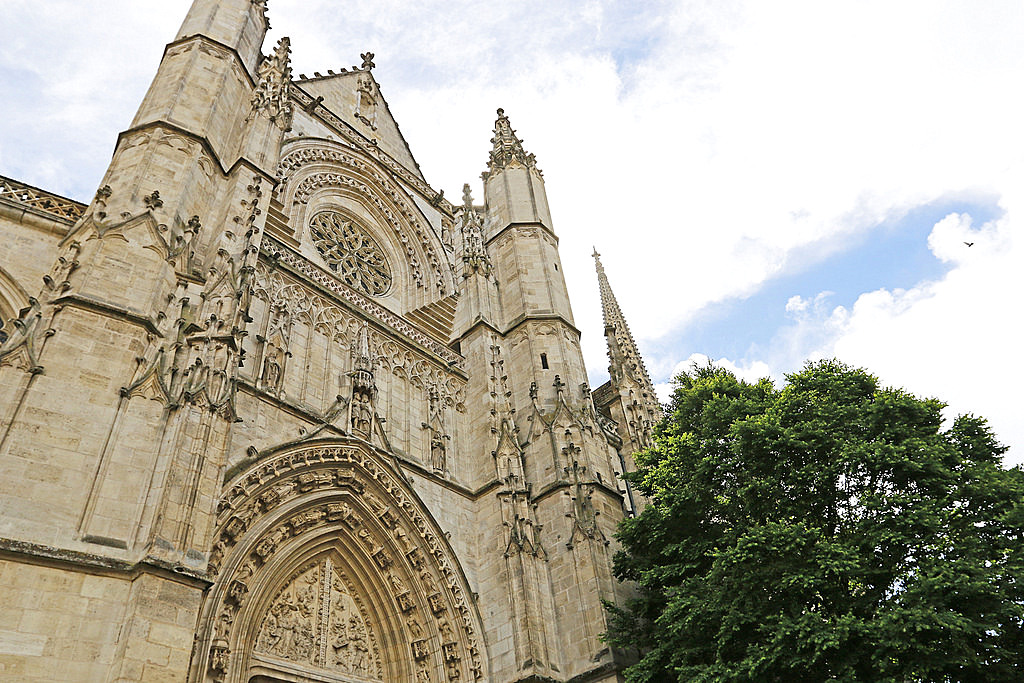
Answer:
(330, 569)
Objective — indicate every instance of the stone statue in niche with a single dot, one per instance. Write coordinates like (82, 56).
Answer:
(414, 627)
(438, 455)
(364, 387)
(271, 376)
(447, 635)
(362, 416)
(438, 433)
(223, 626)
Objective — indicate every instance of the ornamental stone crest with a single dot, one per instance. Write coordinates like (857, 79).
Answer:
(351, 253)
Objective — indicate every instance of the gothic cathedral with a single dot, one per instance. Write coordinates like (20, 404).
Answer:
(273, 409)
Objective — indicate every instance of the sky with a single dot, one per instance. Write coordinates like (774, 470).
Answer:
(767, 182)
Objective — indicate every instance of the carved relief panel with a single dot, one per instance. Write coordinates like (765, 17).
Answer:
(315, 620)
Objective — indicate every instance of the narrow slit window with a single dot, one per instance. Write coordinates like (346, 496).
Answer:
(544, 361)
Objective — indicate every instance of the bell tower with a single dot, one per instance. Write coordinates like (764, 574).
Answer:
(557, 498)
(119, 391)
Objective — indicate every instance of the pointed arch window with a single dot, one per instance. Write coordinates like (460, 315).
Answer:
(351, 253)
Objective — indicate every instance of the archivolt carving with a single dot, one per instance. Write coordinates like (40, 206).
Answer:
(407, 214)
(334, 493)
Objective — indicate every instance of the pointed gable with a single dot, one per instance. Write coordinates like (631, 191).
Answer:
(355, 97)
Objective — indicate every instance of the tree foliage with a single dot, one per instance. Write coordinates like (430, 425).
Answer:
(830, 530)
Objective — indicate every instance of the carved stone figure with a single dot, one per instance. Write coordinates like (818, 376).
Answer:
(362, 416)
(414, 627)
(438, 457)
(219, 657)
(272, 369)
(340, 642)
(357, 641)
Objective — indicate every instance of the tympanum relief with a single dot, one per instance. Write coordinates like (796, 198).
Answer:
(316, 620)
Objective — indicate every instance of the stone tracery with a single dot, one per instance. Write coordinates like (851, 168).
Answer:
(351, 252)
(387, 198)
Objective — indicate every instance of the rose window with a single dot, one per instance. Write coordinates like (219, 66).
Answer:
(351, 253)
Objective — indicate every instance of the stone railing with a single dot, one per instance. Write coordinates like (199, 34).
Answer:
(396, 322)
(55, 205)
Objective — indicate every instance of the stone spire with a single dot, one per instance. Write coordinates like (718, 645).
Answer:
(272, 94)
(474, 255)
(362, 371)
(624, 358)
(508, 148)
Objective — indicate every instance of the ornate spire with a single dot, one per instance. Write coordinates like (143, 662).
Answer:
(622, 351)
(363, 365)
(272, 92)
(474, 255)
(508, 148)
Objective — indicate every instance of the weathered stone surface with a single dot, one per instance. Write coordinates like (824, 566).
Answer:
(270, 404)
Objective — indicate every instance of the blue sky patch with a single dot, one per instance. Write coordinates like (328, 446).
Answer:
(892, 255)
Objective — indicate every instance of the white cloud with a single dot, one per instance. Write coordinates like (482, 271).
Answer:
(956, 338)
(751, 372)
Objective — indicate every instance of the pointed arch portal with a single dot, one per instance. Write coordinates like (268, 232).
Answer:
(329, 568)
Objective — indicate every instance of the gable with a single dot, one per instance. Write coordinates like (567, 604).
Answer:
(355, 97)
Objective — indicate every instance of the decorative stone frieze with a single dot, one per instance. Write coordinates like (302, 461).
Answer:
(275, 288)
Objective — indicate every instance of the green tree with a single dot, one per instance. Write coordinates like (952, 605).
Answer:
(830, 530)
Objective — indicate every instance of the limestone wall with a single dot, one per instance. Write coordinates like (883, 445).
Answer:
(62, 624)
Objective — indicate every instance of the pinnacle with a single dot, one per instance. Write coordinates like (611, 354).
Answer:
(508, 148)
(622, 350)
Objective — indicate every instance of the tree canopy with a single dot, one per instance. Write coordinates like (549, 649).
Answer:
(828, 530)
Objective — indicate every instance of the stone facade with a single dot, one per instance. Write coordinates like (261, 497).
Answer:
(273, 409)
